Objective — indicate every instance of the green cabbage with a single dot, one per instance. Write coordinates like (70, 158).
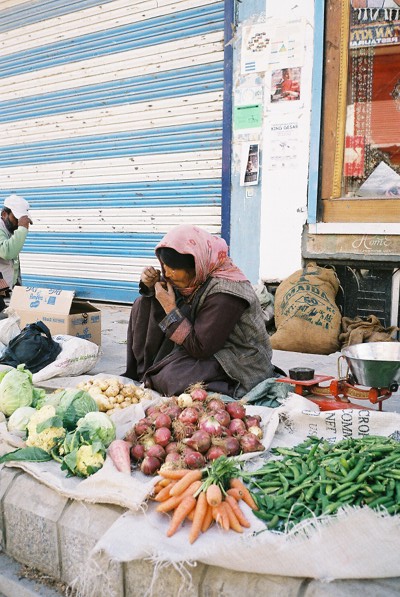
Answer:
(16, 390)
(74, 404)
(97, 426)
(18, 421)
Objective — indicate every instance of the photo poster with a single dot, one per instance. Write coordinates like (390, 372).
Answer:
(255, 49)
(249, 164)
(286, 85)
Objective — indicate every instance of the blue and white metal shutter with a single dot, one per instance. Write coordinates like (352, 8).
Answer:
(111, 127)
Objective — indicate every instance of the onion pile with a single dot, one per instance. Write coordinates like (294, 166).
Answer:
(191, 430)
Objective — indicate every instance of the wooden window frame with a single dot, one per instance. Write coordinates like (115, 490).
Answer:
(333, 207)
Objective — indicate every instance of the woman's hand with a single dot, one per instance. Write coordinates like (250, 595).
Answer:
(166, 296)
(150, 276)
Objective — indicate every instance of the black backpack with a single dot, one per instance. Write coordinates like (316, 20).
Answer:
(34, 347)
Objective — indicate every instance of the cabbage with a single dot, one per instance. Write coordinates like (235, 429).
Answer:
(75, 404)
(16, 390)
(19, 420)
(97, 426)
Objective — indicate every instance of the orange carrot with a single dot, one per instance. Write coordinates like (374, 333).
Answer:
(186, 505)
(185, 481)
(237, 511)
(233, 521)
(174, 474)
(235, 493)
(208, 519)
(214, 495)
(246, 497)
(172, 502)
(169, 504)
(220, 516)
(190, 516)
(199, 515)
(164, 493)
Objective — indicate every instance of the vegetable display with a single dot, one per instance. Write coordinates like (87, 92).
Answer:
(16, 389)
(191, 430)
(111, 394)
(204, 497)
(317, 478)
(79, 447)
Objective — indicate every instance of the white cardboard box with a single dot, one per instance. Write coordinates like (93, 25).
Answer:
(59, 310)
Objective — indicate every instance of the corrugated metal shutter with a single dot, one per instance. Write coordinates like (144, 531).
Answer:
(111, 127)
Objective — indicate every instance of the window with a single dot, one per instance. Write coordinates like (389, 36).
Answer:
(361, 123)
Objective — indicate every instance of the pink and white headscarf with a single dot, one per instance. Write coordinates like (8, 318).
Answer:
(210, 254)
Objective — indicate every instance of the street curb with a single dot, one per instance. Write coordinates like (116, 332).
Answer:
(13, 585)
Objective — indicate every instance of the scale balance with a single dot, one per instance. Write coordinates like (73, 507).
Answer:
(373, 374)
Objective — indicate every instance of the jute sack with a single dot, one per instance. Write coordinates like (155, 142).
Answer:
(307, 318)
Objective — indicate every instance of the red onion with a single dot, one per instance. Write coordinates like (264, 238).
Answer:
(211, 425)
(157, 451)
(130, 437)
(237, 427)
(252, 420)
(223, 417)
(215, 452)
(199, 394)
(150, 465)
(194, 460)
(236, 410)
(189, 416)
(249, 443)
(137, 452)
(142, 426)
(199, 441)
(232, 446)
(215, 404)
(162, 436)
(171, 447)
(152, 410)
(172, 410)
(173, 457)
(162, 420)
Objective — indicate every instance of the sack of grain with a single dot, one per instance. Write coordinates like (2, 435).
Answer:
(307, 318)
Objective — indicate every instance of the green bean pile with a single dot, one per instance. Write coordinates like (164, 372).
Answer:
(317, 477)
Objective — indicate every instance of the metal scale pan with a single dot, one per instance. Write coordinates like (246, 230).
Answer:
(374, 364)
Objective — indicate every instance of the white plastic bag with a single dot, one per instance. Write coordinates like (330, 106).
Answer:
(77, 356)
(9, 327)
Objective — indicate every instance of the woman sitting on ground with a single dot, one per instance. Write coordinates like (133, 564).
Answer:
(197, 320)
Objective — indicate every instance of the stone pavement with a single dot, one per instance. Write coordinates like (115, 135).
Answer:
(53, 534)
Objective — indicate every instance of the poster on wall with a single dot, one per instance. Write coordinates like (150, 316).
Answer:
(249, 164)
(285, 85)
(247, 117)
(287, 44)
(255, 49)
(284, 144)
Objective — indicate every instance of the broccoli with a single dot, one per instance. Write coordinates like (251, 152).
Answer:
(45, 429)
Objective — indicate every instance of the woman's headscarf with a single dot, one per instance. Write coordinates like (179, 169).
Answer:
(210, 254)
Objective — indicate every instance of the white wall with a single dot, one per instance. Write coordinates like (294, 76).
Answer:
(276, 209)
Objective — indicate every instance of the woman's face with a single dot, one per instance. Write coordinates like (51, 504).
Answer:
(180, 278)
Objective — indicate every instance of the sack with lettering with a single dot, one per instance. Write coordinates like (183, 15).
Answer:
(307, 318)
(77, 356)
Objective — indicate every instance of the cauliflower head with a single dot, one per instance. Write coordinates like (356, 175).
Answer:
(50, 436)
(88, 461)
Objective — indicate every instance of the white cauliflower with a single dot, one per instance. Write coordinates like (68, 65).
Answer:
(48, 438)
(88, 461)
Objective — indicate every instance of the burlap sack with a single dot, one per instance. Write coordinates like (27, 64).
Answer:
(307, 318)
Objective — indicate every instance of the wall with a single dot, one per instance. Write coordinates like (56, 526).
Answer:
(267, 219)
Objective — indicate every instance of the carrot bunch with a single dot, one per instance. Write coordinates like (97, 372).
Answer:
(204, 498)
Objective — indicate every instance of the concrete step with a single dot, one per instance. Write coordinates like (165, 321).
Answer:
(13, 584)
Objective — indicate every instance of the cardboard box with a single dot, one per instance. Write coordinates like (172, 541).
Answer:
(58, 310)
